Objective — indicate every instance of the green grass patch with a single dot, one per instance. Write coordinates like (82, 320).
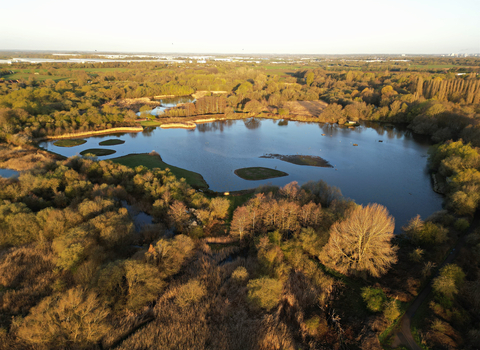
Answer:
(154, 161)
(151, 123)
(111, 142)
(39, 77)
(258, 173)
(69, 142)
(98, 152)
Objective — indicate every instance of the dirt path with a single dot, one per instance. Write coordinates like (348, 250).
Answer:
(404, 335)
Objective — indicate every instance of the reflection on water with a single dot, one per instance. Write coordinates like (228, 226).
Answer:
(391, 172)
(215, 126)
(252, 123)
(140, 218)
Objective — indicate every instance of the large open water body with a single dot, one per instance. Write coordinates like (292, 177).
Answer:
(392, 172)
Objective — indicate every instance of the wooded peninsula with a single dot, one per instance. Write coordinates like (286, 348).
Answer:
(292, 267)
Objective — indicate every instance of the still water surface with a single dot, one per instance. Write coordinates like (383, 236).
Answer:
(392, 172)
(167, 103)
(9, 173)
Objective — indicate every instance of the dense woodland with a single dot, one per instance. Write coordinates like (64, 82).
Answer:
(298, 267)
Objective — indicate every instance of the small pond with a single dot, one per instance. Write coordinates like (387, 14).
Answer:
(9, 173)
(169, 103)
(388, 165)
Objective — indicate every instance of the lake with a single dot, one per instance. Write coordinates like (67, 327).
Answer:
(392, 172)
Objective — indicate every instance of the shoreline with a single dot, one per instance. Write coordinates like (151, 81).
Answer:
(92, 133)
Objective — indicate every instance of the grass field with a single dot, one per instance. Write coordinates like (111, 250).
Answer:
(154, 161)
(69, 142)
(39, 77)
(111, 142)
(437, 66)
(94, 70)
(259, 173)
(98, 152)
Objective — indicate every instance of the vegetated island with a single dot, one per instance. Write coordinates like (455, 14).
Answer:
(301, 160)
(69, 142)
(98, 152)
(111, 142)
(153, 160)
(258, 173)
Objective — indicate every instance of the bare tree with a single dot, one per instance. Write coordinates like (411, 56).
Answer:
(361, 243)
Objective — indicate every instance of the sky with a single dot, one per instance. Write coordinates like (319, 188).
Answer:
(246, 26)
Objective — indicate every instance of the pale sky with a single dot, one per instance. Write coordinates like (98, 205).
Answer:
(247, 26)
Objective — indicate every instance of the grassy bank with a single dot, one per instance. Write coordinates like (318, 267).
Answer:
(154, 161)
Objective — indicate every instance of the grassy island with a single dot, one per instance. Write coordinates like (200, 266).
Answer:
(111, 142)
(301, 160)
(98, 152)
(69, 142)
(258, 173)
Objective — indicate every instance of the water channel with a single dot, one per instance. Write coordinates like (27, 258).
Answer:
(167, 103)
(388, 165)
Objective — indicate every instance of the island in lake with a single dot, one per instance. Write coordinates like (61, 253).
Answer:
(259, 173)
(301, 160)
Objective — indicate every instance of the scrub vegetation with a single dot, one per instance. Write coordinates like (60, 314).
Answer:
(298, 267)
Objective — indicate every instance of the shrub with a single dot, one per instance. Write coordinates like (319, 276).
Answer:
(190, 293)
(374, 298)
(392, 310)
(462, 224)
(448, 282)
(416, 255)
(264, 292)
(312, 325)
(240, 274)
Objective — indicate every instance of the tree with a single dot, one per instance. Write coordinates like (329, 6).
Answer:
(241, 223)
(59, 321)
(310, 77)
(179, 216)
(361, 243)
(449, 280)
(375, 298)
(264, 292)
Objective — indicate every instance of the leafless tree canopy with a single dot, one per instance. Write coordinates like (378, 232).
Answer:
(361, 244)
